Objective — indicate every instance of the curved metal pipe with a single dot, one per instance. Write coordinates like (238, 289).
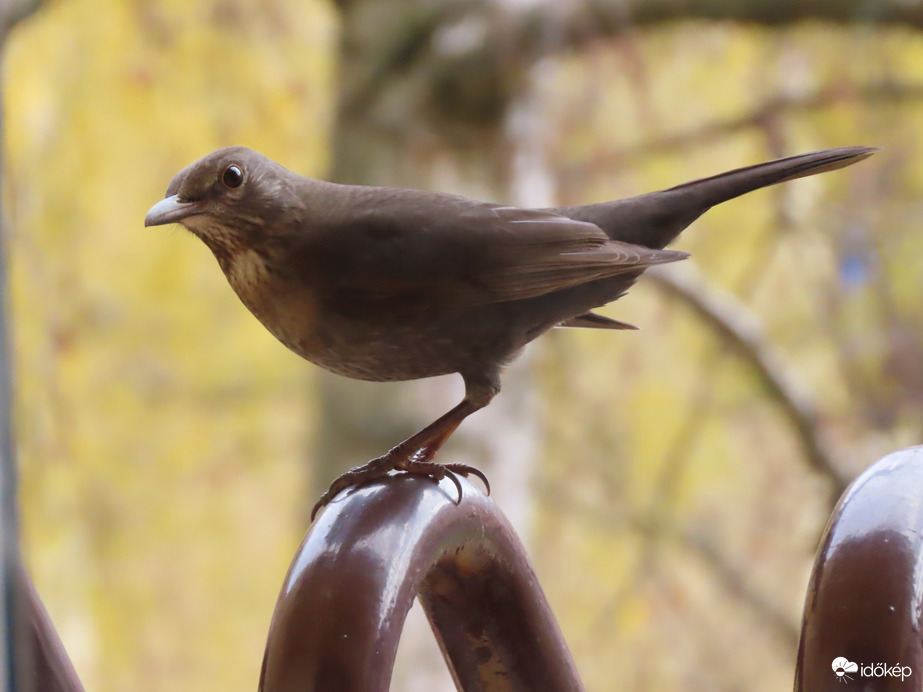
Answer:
(369, 554)
(49, 669)
(865, 597)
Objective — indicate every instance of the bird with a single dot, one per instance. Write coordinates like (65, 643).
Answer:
(384, 284)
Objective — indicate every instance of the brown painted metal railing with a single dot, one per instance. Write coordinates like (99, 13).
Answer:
(343, 603)
(865, 598)
(51, 669)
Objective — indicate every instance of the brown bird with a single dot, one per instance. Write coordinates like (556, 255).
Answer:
(384, 284)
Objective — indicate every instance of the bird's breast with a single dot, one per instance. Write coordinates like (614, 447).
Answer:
(247, 272)
(287, 310)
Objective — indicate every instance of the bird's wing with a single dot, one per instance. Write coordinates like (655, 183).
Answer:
(455, 253)
(534, 253)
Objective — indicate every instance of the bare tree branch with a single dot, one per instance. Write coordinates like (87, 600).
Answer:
(774, 12)
(732, 579)
(547, 26)
(883, 92)
(483, 63)
(659, 532)
(14, 11)
(741, 330)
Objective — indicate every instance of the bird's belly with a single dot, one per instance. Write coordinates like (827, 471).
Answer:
(371, 348)
(377, 348)
(386, 352)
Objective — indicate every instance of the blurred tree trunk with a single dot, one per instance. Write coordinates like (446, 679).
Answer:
(424, 103)
(12, 12)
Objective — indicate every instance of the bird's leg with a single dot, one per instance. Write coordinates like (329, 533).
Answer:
(412, 455)
(415, 454)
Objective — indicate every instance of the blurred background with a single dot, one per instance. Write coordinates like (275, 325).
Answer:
(671, 484)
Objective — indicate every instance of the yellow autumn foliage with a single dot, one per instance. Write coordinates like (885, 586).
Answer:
(163, 435)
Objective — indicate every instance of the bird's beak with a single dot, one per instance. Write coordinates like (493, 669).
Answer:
(171, 210)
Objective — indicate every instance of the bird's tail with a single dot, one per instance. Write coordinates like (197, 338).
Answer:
(655, 219)
(724, 186)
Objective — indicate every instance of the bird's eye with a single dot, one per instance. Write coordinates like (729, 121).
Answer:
(232, 176)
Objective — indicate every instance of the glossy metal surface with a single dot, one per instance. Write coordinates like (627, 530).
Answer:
(865, 598)
(371, 551)
(50, 669)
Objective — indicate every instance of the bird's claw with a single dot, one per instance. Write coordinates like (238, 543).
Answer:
(377, 468)
(466, 470)
(452, 477)
(373, 470)
(439, 471)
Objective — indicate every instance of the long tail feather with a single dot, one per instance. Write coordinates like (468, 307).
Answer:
(655, 219)
(592, 320)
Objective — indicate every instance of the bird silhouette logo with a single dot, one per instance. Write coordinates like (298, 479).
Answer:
(842, 667)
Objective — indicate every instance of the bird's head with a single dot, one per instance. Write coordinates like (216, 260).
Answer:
(230, 198)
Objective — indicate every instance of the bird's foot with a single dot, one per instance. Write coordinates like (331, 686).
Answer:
(466, 470)
(419, 464)
(376, 468)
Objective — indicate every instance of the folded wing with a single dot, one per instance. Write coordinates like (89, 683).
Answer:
(446, 252)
